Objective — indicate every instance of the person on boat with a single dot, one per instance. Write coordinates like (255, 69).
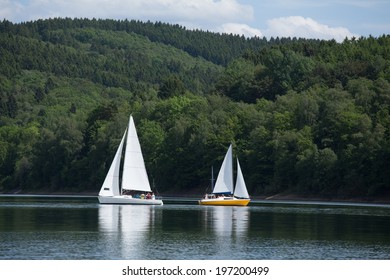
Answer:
(153, 196)
(148, 196)
(142, 196)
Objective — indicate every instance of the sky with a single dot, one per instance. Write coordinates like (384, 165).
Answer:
(319, 19)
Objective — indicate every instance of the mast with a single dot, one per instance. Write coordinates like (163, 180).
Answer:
(212, 178)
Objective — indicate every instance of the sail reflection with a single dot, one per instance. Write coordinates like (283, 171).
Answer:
(228, 228)
(125, 228)
(228, 222)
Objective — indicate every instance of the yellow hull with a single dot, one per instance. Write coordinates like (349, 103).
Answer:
(225, 202)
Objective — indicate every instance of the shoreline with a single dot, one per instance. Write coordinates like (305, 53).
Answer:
(278, 198)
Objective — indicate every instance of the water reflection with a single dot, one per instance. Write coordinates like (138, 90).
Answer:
(69, 229)
(227, 221)
(125, 228)
(186, 232)
(229, 230)
(321, 223)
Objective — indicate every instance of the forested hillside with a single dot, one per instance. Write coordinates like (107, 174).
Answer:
(307, 117)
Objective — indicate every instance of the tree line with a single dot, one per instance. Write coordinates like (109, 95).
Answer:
(308, 117)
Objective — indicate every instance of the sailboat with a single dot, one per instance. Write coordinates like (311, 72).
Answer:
(134, 176)
(223, 193)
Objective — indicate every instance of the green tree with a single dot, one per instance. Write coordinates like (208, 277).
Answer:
(171, 86)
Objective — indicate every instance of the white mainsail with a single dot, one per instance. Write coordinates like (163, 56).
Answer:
(224, 183)
(134, 172)
(240, 189)
(110, 185)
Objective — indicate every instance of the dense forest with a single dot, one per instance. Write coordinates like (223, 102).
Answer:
(306, 117)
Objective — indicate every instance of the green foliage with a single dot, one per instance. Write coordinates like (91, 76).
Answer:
(171, 86)
(305, 116)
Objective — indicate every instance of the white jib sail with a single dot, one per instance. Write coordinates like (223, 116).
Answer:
(110, 185)
(240, 190)
(134, 172)
(224, 183)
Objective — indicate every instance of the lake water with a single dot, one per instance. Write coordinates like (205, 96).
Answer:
(80, 228)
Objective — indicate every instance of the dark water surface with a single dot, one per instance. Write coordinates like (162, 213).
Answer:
(80, 228)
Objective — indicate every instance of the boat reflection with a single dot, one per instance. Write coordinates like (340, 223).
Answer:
(125, 228)
(227, 222)
(137, 231)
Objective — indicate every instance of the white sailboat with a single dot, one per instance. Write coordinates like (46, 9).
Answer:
(224, 186)
(134, 175)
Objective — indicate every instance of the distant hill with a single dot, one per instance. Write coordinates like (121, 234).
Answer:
(308, 117)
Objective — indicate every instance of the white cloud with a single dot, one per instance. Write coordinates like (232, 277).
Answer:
(224, 16)
(239, 28)
(213, 15)
(303, 4)
(204, 12)
(8, 8)
(300, 27)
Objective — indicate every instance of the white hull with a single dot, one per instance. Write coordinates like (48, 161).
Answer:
(123, 199)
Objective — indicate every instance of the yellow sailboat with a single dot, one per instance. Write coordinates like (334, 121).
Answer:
(223, 194)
